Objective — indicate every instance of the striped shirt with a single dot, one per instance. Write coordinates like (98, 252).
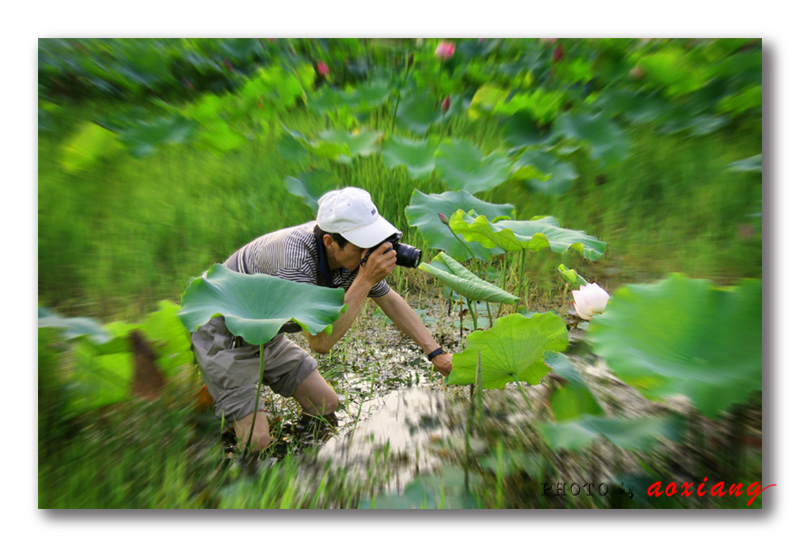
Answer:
(294, 254)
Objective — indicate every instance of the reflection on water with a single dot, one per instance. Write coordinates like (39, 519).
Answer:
(402, 427)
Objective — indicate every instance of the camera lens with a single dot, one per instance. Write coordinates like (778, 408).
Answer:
(407, 255)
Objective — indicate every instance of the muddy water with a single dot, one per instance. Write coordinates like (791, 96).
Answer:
(400, 434)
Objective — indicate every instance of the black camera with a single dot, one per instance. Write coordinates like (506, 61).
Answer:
(407, 255)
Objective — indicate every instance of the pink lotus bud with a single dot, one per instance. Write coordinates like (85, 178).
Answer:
(188, 83)
(591, 299)
(559, 53)
(445, 50)
(228, 65)
(446, 105)
(322, 68)
(410, 60)
(444, 219)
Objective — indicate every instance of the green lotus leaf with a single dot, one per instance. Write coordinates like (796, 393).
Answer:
(684, 336)
(312, 185)
(219, 137)
(486, 99)
(417, 113)
(462, 281)
(367, 96)
(544, 172)
(90, 144)
(334, 148)
(415, 155)
(170, 340)
(513, 347)
(74, 327)
(97, 380)
(255, 306)
(573, 400)
(521, 131)
(751, 164)
(461, 165)
(607, 142)
(143, 138)
(543, 105)
(630, 434)
(638, 107)
(423, 213)
(361, 144)
(533, 235)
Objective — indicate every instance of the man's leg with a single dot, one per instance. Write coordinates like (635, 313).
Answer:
(316, 396)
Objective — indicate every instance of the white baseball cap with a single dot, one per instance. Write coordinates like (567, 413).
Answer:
(351, 213)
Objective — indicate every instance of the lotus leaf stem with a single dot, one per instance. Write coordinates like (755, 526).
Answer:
(258, 394)
(527, 400)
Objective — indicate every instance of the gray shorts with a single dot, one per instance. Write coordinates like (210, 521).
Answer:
(230, 369)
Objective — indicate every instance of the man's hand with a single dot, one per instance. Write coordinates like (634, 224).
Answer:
(380, 264)
(443, 363)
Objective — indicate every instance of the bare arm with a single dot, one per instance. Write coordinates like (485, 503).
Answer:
(376, 269)
(404, 317)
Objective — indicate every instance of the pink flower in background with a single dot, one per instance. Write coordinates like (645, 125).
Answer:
(445, 50)
(591, 299)
(322, 68)
(446, 105)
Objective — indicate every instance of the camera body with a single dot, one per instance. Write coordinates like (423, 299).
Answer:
(407, 255)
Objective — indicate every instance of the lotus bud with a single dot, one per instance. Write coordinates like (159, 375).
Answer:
(228, 65)
(571, 276)
(558, 54)
(591, 299)
(322, 68)
(445, 50)
(446, 105)
(444, 219)
(410, 60)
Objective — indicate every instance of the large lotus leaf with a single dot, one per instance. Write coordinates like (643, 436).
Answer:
(673, 71)
(574, 399)
(415, 155)
(219, 137)
(90, 144)
(255, 306)
(97, 380)
(360, 143)
(312, 185)
(544, 172)
(423, 213)
(638, 107)
(169, 338)
(367, 96)
(417, 113)
(513, 347)
(630, 434)
(462, 281)
(74, 327)
(486, 99)
(533, 235)
(751, 164)
(542, 104)
(335, 149)
(684, 336)
(607, 142)
(461, 165)
(143, 138)
(521, 131)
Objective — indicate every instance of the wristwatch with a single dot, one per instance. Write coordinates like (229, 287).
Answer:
(435, 353)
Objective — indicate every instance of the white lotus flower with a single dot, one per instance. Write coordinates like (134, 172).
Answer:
(591, 299)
